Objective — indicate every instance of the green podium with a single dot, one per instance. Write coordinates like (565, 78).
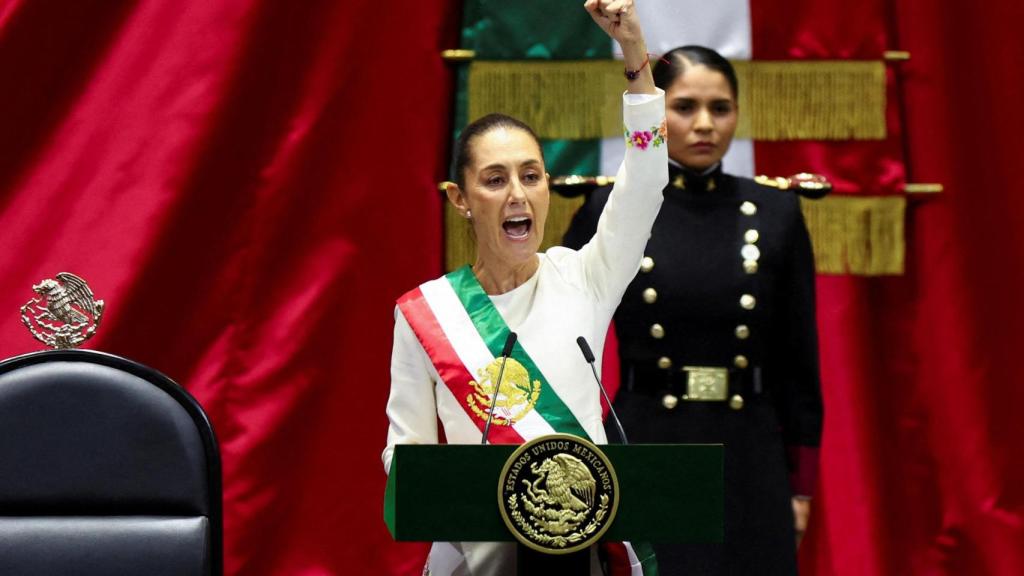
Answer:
(667, 493)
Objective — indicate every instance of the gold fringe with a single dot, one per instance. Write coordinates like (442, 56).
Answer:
(812, 100)
(572, 100)
(459, 243)
(560, 215)
(460, 246)
(860, 236)
(779, 100)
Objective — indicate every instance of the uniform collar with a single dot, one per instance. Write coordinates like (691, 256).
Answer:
(683, 178)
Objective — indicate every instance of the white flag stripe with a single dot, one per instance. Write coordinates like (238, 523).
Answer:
(613, 150)
(470, 347)
(457, 325)
(739, 160)
(720, 24)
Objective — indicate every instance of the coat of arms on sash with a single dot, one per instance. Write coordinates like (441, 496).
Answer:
(64, 314)
(558, 493)
(517, 396)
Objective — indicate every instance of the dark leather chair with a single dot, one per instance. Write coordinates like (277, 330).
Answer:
(107, 467)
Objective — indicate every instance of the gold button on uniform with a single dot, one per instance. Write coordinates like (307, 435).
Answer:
(650, 295)
(750, 266)
(750, 252)
(740, 361)
(751, 236)
(664, 362)
(647, 264)
(669, 401)
(743, 332)
(748, 208)
(736, 402)
(657, 331)
(747, 302)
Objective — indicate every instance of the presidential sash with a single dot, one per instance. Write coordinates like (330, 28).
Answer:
(463, 334)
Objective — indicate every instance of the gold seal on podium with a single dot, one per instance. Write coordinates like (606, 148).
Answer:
(558, 494)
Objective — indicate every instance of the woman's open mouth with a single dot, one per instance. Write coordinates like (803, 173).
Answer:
(517, 227)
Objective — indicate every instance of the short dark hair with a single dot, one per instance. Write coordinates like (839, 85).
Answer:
(673, 63)
(463, 156)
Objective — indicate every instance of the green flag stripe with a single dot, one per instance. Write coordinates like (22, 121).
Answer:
(494, 331)
(567, 157)
(529, 29)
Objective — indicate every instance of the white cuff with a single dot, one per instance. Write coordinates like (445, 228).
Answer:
(636, 99)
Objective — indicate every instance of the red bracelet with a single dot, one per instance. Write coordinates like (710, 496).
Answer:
(634, 74)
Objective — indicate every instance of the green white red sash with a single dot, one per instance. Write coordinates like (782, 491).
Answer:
(463, 333)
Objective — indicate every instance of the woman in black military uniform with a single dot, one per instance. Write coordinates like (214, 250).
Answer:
(717, 332)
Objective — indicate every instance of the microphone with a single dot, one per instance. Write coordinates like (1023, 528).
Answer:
(588, 355)
(510, 341)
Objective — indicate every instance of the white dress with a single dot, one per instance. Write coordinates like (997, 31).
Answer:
(572, 294)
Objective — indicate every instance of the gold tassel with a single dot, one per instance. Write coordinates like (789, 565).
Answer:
(460, 245)
(779, 100)
(861, 236)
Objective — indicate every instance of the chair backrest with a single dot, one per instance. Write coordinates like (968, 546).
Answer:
(106, 467)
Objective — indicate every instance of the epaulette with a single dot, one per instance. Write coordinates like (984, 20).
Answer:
(805, 184)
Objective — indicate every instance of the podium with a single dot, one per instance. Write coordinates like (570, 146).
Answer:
(667, 493)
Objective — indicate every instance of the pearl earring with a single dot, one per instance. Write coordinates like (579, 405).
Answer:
(469, 214)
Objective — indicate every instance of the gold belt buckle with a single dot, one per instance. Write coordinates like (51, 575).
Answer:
(705, 383)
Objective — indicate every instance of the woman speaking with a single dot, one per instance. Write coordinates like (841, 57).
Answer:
(449, 332)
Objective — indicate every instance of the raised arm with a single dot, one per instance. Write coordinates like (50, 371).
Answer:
(612, 257)
(618, 19)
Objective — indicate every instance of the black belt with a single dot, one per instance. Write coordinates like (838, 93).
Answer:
(696, 384)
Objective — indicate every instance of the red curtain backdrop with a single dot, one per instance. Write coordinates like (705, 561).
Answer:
(921, 472)
(959, 495)
(249, 184)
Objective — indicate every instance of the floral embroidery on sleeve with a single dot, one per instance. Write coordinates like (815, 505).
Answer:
(644, 138)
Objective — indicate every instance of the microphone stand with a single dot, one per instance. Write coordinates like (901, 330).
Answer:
(588, 355)
(506, 351)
